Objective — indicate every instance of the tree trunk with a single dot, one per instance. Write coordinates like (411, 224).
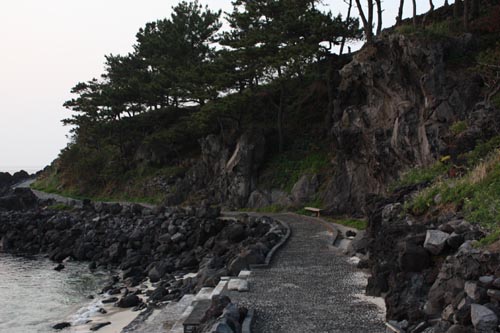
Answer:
(370, 16)
(379, 16)
(466, 15)
(399, 18)
(414, 13)
(456, 9)
(446, 3)
(281, 111)
(367, 23)
(342, 45)
(432, 6)
(475, 8)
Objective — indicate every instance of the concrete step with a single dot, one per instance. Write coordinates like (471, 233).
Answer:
(179, 324)
(173, 311)
(219, 288)
(204, 293)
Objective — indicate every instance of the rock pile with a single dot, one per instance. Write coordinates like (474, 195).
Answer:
(7, 180)
(157, 244)
(432, 277)
(223, 316)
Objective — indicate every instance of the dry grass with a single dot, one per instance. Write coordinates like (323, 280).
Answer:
(479, 173)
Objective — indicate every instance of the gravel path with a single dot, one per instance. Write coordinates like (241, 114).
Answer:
(310, 287)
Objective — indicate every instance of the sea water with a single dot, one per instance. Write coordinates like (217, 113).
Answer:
(34, 297)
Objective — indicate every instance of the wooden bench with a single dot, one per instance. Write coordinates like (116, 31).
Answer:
(314, 210)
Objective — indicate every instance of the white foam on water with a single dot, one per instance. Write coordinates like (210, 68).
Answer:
(84, 314)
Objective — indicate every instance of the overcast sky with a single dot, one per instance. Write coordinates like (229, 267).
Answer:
(48, 46)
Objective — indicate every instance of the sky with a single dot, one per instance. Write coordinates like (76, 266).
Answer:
(48, 46)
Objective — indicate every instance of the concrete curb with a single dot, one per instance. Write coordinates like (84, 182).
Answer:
(329, 226)
(247, 323)
(281, 243)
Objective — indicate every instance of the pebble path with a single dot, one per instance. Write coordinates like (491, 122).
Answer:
(310, 287)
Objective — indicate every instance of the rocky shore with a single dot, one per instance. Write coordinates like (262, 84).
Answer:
(158, 245)
(432, 276)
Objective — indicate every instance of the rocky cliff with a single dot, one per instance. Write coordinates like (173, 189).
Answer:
(393, 108)
(396, 102)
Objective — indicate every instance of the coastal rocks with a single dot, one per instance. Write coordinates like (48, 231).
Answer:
(129, 301)
(428, 270)
(59, 267)
(435, 241)
(98, 326)
(158, 244)
(110, 300)
(7, 180)
(223, 316)
(19, 199)
(61, 326)
(483, 319)
(414, 258)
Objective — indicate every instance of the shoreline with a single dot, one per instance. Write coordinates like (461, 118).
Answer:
(144, 244)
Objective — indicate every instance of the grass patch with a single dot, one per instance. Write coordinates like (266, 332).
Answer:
(482, 150)
(133, 187)
(285, 169)
(422, 175)
(489, 239)
(433, 30)
(60, 207)
(477, 194)
(443, 28)
(350, 222)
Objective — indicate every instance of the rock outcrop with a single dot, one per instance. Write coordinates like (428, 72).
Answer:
(222, 175)
(395, 104)
(7, 180)
(431, 276)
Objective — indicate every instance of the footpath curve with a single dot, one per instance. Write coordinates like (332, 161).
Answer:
(310, 287)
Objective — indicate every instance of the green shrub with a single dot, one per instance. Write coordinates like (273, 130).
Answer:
(285, 169)
(352, 223)
(458, 127)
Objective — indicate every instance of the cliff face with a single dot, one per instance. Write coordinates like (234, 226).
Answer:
(396, 102)
(391, 108)
(222, 174)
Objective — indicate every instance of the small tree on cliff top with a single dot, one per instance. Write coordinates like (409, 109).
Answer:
(275, 39)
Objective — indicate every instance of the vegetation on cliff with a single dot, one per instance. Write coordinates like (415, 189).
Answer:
(186, 79)
(137, 129)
